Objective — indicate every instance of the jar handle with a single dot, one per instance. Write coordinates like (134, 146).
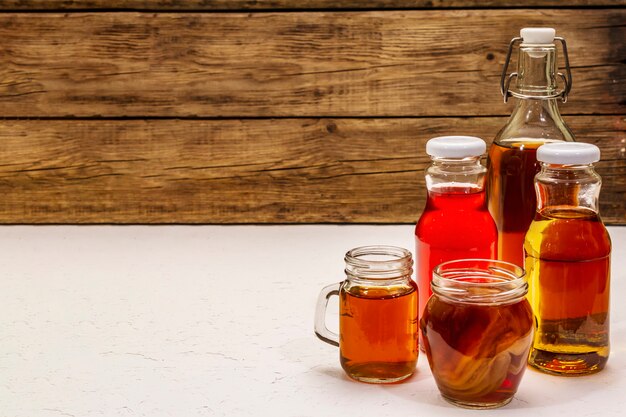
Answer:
(321, 330)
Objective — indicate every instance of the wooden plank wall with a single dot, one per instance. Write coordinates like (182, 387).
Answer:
(268, 111)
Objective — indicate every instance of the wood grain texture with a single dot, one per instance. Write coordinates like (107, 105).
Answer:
(246, 171)
(311, 64)
(286, 4)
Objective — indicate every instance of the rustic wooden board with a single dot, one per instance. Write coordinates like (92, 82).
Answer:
(398, 63)
(287, 4)
(245, 171)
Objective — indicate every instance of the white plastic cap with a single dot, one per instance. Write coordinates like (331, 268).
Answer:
(538, 35)
(455, 147)
(568, 153)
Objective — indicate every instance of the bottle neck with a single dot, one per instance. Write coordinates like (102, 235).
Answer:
(378, 271)
(536, 115)
(536, 70)
(379, 264)
(567, 187)
(463, 175)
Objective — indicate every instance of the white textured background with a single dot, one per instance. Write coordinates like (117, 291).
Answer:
(217, 321)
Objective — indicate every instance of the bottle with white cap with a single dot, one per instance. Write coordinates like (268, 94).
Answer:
(456, 223)
(535, 120)
(568, 253)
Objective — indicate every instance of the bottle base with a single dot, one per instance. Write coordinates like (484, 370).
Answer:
(476, 405)
(380, 372)
(564, 364)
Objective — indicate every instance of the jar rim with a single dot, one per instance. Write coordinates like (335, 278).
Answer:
(378, 262)
(479, 281)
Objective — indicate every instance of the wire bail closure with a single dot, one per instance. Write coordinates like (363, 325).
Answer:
(505, 81)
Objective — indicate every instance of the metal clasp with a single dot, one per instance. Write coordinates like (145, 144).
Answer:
(566, 80)
(505, 80)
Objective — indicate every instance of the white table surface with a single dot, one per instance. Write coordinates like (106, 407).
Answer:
(218, 321)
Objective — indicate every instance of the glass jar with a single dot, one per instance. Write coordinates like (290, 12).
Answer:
(477, 330)
(377, 315)
(535, 120)
(568, 263)
(456, 223)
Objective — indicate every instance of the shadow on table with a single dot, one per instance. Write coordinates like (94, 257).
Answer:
(537, 389)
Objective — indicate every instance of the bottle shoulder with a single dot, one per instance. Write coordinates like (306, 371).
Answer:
(573, 235)
(535, 120)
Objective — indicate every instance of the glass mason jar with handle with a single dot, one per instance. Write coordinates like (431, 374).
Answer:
(377, 315)
(535, 120)
(568, 263)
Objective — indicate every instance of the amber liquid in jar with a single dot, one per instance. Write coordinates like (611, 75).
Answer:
(478, 352)
(568, 265)
(378, 328)
(512, 200)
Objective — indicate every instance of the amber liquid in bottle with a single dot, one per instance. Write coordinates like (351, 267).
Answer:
(567, 263)
(512, 201)
(378, 328)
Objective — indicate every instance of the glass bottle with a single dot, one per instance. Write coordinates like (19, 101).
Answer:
(535, 120)
(377, 315)
(455, 223)
(568, 263)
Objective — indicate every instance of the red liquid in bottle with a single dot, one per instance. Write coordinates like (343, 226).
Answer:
(454, 225)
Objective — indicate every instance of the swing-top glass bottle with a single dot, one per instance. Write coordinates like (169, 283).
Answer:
(535, 120)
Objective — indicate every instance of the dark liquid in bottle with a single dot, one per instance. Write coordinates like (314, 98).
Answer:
(378, 328)
(568, 267)
(477, 353)
(512, 202)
